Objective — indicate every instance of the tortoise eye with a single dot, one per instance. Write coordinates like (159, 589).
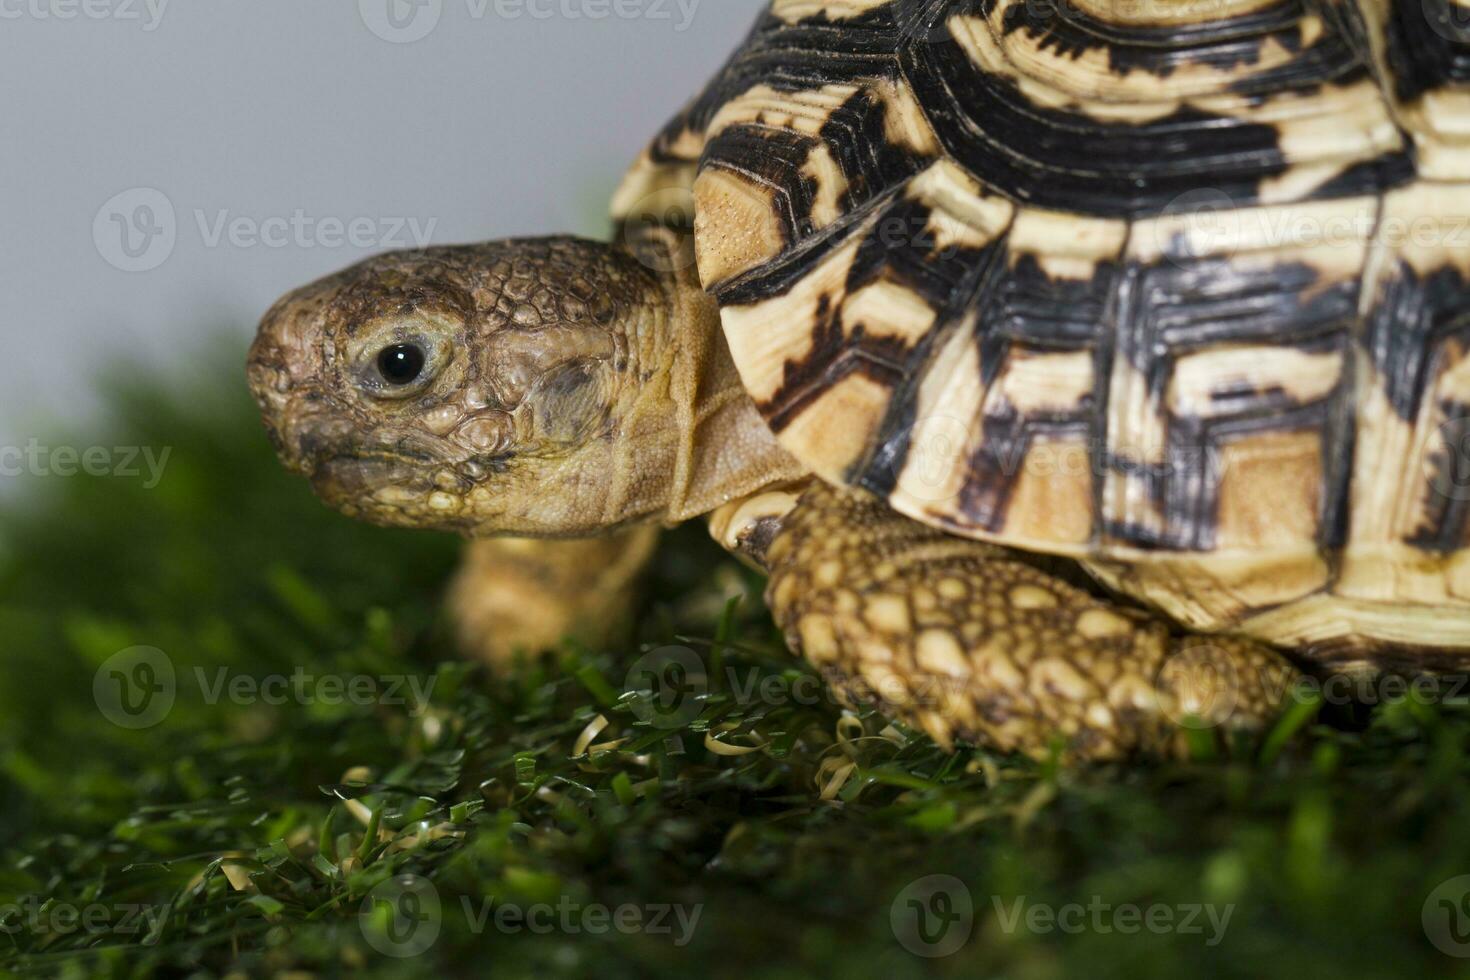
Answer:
(401, 364)
(398, 358)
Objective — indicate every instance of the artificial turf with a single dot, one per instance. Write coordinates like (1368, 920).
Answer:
(297, 810)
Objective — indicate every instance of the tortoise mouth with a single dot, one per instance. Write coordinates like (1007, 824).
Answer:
(357, 474)
(367, 475)
(368, 470)
(325, 445)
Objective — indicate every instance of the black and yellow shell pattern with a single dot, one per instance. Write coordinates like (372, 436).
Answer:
(1179, 288)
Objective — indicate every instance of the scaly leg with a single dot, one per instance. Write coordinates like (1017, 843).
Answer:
(521, 595)
(977, 643)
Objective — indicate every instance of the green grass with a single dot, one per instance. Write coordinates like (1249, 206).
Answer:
(246, 830)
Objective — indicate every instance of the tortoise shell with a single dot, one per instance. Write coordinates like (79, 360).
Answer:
(1178, 288)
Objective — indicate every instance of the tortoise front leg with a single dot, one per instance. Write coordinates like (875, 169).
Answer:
(973, 642)
(525, 595)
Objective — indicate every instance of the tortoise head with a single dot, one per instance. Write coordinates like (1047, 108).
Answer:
(487, 389)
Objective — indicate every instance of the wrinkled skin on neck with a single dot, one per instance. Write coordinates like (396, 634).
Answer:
(564, 388)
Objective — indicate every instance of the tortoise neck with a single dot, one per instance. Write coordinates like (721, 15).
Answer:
(726, 450)
(691, 421)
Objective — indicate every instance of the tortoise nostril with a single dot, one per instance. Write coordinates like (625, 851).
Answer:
(311, 444)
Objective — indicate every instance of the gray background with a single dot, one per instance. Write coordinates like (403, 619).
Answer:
(509, 117)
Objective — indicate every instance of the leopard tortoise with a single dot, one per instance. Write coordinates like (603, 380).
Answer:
(1056, 359)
